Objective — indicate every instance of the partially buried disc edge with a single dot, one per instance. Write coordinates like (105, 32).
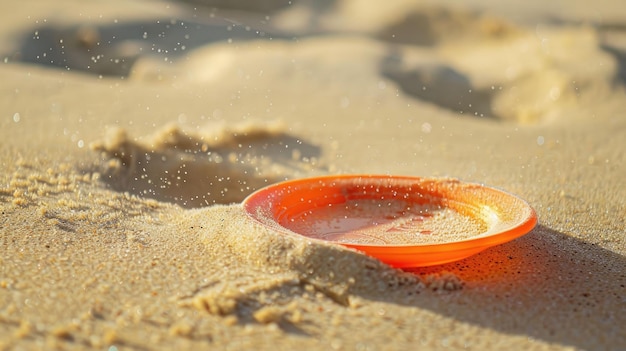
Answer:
(403, 221)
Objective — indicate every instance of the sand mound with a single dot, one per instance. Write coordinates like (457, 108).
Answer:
(282, 262)
(331, 269)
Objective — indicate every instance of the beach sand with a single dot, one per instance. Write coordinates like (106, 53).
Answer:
(131, 132)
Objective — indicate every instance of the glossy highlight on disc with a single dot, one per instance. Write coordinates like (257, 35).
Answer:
(403, 221)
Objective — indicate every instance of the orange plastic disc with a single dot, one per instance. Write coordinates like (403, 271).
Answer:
(403, 221)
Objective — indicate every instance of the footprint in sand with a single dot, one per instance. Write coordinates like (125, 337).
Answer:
(476, 65)
(220, 166)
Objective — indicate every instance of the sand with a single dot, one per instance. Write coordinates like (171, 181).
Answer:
(131, 132)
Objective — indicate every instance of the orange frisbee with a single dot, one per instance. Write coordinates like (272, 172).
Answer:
(403, 221)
